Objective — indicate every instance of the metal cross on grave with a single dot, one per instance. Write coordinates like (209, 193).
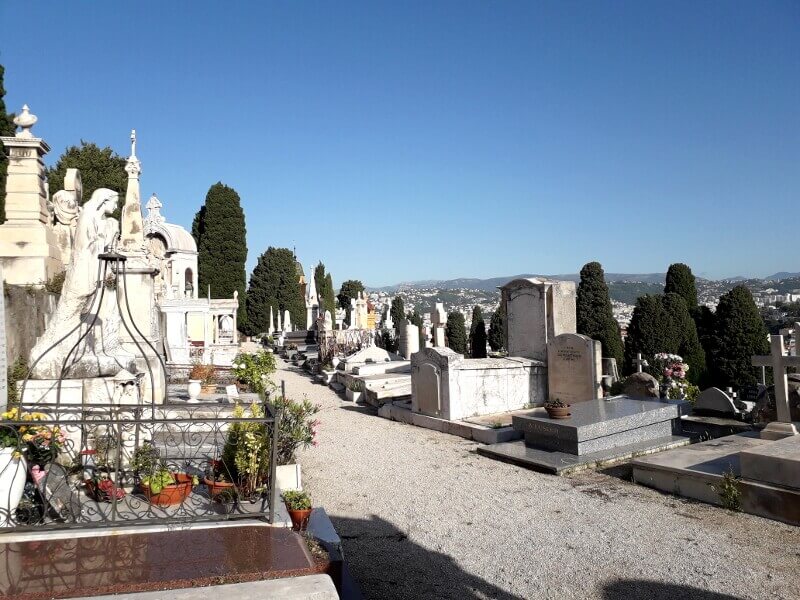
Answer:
(640, 364)
(779, 362)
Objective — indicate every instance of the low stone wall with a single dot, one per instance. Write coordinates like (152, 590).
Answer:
(180, 374)
(28, 311)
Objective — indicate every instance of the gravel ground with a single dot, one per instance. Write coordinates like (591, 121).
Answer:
(422, 515)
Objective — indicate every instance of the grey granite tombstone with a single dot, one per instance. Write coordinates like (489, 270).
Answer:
(3, 361)
(715, 401)
(574, 368)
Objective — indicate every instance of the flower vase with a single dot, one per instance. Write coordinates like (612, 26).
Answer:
(13, 473)
(194, 389)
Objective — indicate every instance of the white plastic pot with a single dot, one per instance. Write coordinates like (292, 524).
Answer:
(13, 472)
(353, 396)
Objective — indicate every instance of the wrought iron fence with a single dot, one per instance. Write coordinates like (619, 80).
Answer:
(104, 465)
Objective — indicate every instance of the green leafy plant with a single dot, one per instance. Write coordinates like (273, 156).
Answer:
(355, 385)
(730, 494)
(555, 403)
(150, 469)
(55, 283)
(17, 372)
(246, 452)
(255, 370)
(297, 428)
(297, 500)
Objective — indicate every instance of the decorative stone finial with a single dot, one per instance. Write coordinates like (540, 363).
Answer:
(132, 166)
(133, 143)
(25, 120)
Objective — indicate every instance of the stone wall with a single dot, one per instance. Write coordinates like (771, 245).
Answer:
(28, 311)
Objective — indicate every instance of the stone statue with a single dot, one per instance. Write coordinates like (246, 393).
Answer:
(99, 354)
(328, 322)
(65, 206)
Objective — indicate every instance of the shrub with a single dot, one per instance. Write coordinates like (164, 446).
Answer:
(297, 500)
(255, 370)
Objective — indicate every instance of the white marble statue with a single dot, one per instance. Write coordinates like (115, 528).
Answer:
(99, 353)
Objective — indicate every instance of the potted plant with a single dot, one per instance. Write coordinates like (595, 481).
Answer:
(298, 504)
(195, 382)
(208, 382)
(160, 485)
(253, 371)
(101, 488)
(218, 480)
(355, 387)
(224, 503)
(557, 409)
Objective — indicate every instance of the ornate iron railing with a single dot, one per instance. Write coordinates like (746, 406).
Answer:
(78, 469)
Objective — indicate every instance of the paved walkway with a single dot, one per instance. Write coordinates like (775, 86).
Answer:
(423, 516)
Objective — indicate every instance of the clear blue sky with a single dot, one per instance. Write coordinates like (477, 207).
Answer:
(415, 140)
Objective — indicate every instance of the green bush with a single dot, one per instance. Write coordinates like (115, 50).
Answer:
(255, 370)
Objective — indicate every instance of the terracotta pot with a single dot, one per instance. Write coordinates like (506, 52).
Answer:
(172, 494)
(299, 518)
(209, 388)
(215, 488)
(558, 412)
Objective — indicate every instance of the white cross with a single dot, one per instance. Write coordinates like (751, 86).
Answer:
(779, 362)
(639, 362)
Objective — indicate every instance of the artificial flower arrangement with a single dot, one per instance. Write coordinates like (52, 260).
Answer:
(671, 370)
(39, 443)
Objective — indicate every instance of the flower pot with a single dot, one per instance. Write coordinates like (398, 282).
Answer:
(209, 388)
(351, 395)
(215, 488)
(172, 494)
(194, 389)
(558, 412)
(299, 518)
(13, 472)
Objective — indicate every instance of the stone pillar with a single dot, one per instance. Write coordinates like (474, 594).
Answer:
(131, 227)
(28, 248)
(409, 340)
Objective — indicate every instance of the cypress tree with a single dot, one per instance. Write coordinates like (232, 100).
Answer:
(397, 311)
(689, 346)
(650, 331)
(740, 334)
(681, 281)
(6, 129)
(329, 298)
(99, 167)
(497, 329)
(477, 334)
(595, 317)
(222, 249)
(456, 332)
(274, 283)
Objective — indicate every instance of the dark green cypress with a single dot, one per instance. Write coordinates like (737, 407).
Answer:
(7, 128)
(477, 334)
(222, 251)
(398, 311)
(456, 332)
(348, 291)
(651, 330)
(594, 314)
(497, 329)
(681, 281)
(739, 335)
(689, 346)
(274, 283)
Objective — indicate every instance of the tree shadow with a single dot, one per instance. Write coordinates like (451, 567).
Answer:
(387, 565)
(638, 589)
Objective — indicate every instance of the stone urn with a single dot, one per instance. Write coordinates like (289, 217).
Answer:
(195, 387)
(13, 473)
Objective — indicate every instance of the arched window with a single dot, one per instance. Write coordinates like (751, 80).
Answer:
(188, 284)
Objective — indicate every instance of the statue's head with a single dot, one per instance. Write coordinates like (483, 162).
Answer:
(106, 200)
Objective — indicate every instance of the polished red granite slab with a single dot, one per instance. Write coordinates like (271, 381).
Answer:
(140, 562)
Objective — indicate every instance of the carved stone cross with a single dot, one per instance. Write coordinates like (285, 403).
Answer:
(779, 362)
(640, 364)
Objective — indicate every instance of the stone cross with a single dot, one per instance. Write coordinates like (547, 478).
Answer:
(3, 365)
(783, 427)
(639, 362)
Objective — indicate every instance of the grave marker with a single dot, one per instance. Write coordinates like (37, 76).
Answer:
(783, 427)
(574, 368)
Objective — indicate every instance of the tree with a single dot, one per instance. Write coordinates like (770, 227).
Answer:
(274, 283)
(7, 128)
(349, 291)
(477, 334)
(689, 346)
(222, 247)
(497, 329)
(99, 167)
(325, 292)
(650, 331)
(456, 332)
(739, 335)
(595, 317)
(397, 311)
(681, 281)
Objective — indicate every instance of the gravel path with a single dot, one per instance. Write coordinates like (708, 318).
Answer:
(422, 515)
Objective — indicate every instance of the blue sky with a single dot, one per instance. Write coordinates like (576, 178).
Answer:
(417, 140)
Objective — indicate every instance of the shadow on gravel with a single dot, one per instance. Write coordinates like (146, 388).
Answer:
(636, 589)
(360, 408)
(389, 566)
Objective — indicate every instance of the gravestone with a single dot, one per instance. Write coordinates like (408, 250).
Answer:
(428, 390)
(715, 401)
(409, 339)
(574, 368)
(3, 361)
(537, 310)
